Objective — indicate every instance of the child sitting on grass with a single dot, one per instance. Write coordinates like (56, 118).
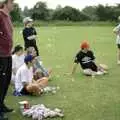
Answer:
(39, 69)
(86, 59)
(24, 82)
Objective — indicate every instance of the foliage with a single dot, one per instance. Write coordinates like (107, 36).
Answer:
(40, 11)
(16, 14)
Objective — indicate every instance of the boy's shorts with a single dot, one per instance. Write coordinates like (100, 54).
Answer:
(118, 45)
(92, 66)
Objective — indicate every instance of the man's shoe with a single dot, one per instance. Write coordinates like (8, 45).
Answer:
(6, 109)
(2, 117)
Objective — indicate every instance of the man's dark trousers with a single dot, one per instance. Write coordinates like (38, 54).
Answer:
(5, 77)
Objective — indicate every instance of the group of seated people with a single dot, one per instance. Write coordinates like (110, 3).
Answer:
(30, 76)
(28, 73)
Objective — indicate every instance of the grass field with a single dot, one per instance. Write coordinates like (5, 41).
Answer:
(80, 97)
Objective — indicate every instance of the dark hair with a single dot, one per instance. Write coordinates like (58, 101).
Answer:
(17, 49)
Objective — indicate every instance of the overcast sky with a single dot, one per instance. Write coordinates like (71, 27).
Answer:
(74, 3)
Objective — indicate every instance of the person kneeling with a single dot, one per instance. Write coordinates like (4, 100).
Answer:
(86, 59)
(24, 82)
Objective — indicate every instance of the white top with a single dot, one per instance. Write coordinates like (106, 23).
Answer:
(17, 61)
(117, 30)
(23, 75)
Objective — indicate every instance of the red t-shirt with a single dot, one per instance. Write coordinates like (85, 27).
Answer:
(6, 34)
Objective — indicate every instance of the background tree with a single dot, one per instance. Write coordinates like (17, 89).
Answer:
(116, 12)
(16, 14)
(40, 11)
(27, 12)
(68, 13)
(90, 11)
(105, 13)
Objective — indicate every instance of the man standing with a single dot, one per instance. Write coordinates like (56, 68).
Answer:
(116, 30)
(6, 32)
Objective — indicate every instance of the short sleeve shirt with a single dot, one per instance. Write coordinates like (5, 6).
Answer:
(84, 59)
(23, 75)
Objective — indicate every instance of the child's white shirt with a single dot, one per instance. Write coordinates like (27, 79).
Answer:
(23, 75)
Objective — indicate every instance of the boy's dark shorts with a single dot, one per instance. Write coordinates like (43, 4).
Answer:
(118, 45)
(92, 66)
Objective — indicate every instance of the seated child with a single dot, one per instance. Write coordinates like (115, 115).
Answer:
(24, 82)
(38, 66)
(86, 59)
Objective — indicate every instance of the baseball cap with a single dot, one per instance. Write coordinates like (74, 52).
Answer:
(84, 44)
(27, 19)
(28, 58)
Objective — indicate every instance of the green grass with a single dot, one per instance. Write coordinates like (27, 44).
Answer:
(80, 97)
(69, 23)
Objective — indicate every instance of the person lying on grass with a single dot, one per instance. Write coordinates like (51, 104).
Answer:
(24, 82)
(86, 59)
(39, 69)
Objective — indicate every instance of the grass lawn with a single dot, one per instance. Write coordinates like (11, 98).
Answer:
(80, 97)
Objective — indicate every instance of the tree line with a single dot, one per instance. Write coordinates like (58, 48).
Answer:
(40, 11)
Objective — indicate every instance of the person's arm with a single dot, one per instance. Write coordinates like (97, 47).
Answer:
(92, 56)
(32, 37)
(13, 65)
(74, 68)
(27, 34)
(116, 30)
(76, 61)
(24, 78)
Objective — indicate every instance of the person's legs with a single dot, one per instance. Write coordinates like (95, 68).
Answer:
(103, 68)
(118, 53)
(33, 88)
(36, 48)
(8, 76)
(1, 84)
(89, 72)
(5, 77)
(43, 82)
